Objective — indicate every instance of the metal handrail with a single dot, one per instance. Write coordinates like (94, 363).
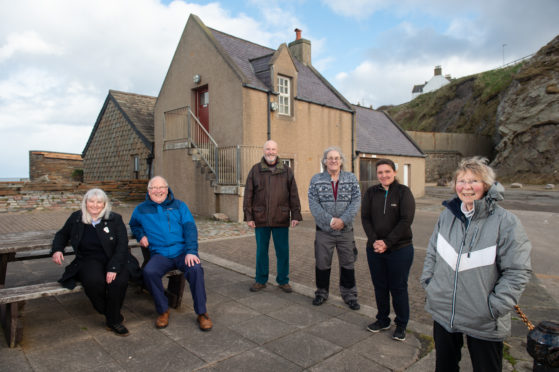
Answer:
(203, 142)
(229, 164)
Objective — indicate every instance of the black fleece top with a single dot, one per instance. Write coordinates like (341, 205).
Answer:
(388, 214)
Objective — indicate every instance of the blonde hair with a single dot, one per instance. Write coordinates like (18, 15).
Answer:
(478, 166)
(97, 194)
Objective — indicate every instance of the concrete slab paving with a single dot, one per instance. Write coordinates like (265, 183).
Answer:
(265, 331)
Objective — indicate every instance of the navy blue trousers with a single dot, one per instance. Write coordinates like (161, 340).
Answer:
(159, 265)
(389, 273)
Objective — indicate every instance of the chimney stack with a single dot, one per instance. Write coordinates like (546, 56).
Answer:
(301, 48)
(438, 70)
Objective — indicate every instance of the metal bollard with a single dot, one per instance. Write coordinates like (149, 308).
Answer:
(543, 346)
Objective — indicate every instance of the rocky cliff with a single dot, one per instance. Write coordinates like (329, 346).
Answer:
(528, 121)
(518, 106)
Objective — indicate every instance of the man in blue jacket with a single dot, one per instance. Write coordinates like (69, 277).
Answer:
(166, 226)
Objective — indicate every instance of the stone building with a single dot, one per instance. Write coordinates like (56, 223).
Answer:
(437, 81)
(120, 146)
(378, 136)
(221, 99)
(54, 166)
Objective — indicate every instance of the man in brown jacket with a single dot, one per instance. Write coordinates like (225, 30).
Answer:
(271, 204)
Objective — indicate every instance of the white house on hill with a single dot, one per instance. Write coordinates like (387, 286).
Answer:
(437, 81)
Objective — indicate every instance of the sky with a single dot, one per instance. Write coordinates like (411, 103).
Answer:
(59, 58)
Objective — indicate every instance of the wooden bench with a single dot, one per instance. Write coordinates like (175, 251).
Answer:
(12, 300)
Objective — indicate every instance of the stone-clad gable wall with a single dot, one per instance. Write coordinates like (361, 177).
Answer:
(30, 196)
(110, 155)
(53, 166)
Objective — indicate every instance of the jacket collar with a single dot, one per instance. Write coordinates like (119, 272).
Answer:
(279, 167)
(483, 207)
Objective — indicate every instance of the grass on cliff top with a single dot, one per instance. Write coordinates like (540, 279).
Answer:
(466, 105)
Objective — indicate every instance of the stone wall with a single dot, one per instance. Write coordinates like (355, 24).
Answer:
(53, 166)
(445, 150)
(30, 196)
(440, 166)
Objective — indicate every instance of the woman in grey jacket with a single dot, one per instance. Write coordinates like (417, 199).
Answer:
(476, 267)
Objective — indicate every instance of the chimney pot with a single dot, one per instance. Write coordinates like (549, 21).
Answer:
(297, 34)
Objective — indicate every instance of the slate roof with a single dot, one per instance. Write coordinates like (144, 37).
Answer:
(137, 109)
(378, 134)
(253, 61)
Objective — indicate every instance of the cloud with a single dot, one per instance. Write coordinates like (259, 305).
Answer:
(58, 62)
(358, 9)
(27, 42)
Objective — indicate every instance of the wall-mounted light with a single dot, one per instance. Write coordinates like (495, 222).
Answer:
(196, 79)
(274, 106)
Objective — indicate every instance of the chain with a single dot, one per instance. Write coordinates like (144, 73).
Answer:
(524, 318)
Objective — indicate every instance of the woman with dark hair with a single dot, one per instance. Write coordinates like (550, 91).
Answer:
(103, 263)
(387, 213)
(476, 267)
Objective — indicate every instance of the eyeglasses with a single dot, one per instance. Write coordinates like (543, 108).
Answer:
(470, 182)
(333, 159)
(158, 187)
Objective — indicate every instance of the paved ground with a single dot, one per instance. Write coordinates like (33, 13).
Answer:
(269, 330)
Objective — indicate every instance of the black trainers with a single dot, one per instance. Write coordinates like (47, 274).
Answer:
(377, 326)
(119, 329)
(353, 305)
(318, 300)
(399, 333)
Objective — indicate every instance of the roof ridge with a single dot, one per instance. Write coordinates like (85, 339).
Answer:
(130, 93)
(238, 38)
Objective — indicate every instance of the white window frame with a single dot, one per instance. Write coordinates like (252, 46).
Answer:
(284, 98)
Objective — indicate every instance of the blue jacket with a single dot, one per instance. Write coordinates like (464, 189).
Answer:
(169, 226)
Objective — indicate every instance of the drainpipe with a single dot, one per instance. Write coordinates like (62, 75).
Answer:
(269, 118)
(353, 156)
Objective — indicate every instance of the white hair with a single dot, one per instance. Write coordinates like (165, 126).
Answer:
(325, 156)
(157, 177)
(96, 194)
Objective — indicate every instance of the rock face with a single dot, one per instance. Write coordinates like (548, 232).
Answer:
(528, 121)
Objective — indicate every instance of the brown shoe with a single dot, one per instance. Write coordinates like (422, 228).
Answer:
(257, 286)
(205, 322)
(162, 320)
(286, 288)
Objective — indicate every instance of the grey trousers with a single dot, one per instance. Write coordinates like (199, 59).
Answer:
(324, 245)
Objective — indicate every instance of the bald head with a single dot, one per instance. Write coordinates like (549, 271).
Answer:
(271, 152)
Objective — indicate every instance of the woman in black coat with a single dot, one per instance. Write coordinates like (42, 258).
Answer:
(103, 263)
(387, 213)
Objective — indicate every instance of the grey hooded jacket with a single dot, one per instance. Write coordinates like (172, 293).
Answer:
(475, 271)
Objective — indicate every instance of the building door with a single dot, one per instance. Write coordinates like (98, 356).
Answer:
(203, 107)
(407, 174)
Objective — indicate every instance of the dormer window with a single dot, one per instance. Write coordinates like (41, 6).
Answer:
(284, 90)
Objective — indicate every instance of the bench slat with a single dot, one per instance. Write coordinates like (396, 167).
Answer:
(29, 292)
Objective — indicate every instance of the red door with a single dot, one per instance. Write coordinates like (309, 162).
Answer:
(203, 107)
